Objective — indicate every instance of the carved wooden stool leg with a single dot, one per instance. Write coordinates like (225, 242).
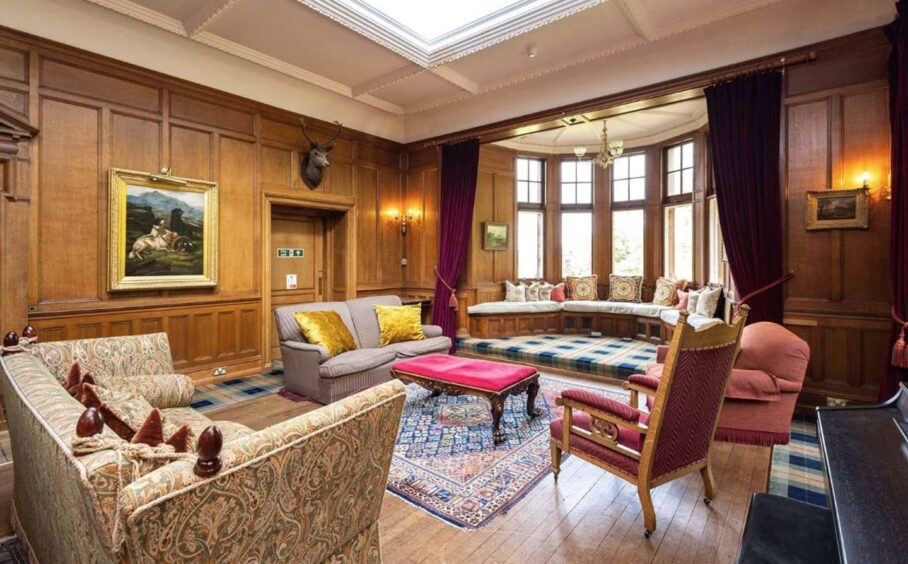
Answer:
(497, 410)
(532, 391)
(436, 393)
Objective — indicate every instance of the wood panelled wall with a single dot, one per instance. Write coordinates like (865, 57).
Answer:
(94, 114)
(836, 127)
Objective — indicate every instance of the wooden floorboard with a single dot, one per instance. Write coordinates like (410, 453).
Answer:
(587, 515)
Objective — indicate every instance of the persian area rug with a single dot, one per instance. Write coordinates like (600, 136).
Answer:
(12, 551)
(447, 464)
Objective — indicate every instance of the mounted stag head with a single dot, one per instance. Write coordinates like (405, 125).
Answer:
(316, 160)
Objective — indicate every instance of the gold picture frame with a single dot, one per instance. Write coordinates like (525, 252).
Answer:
(495, 236)
(838, 209)
(162, 231)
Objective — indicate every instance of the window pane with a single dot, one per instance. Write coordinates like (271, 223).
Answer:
(627, 242)
(674, 158)
(568, 193)
(620, 191)
(620, 170)
(687, 180)
(638, 165)
(679, 244)
(715, 243)
(585, 193)
(529, 244)
(535, 193)
(674, 183)
(638, 189)
(577, 244)
(688, 152)
(568, 171)
(522, 191)
(535, 170)
(522, 169)
(585, 171)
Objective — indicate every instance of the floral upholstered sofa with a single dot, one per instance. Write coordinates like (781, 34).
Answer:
(307, 490)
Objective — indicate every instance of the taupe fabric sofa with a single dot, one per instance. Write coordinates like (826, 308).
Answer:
(308, 370)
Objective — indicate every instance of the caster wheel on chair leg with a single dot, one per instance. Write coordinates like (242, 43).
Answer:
(707, 500)
(647, 533)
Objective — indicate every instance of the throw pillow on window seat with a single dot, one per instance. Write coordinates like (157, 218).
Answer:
(667, 292)
(583, 289)
(545, 291)
(693, 296)
(533, 292)
(709, 301)
(399, 324)
(514, 292)
(559, 294)
(625, 288)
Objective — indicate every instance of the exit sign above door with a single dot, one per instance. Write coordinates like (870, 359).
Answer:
(290, 253)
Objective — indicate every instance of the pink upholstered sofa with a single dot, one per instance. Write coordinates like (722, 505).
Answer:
(764, 386)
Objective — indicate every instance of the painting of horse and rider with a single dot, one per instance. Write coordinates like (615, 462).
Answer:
(165, 231)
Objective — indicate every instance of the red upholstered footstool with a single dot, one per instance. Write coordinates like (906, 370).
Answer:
(455, 376)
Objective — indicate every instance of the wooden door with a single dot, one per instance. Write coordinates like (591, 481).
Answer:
(297, 249)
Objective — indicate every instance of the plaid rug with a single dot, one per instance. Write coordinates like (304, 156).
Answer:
(603, 356)
(229, 392)
(446, 463)
(797, 468)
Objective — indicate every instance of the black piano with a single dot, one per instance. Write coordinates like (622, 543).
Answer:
(865, 454)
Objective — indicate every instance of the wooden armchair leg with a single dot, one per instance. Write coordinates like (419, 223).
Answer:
(709, 483)
(556, 460)
(649, 512)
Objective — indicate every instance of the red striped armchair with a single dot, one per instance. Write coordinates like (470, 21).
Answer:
(672, 439)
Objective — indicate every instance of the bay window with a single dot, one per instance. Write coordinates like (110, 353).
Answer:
(679, 241)
(576, 217)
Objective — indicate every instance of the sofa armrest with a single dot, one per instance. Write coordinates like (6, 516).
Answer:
(755, 385)
(335, 461)
(432, 331)
(307, 347)
(661, 354)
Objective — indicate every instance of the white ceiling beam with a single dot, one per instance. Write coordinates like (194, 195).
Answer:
(205, 14)
(450, 75)
(386, 80)
(639, 19)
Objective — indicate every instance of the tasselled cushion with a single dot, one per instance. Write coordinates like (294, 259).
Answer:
(625, 288)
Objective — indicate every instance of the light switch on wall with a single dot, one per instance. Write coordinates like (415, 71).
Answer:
(291, 281)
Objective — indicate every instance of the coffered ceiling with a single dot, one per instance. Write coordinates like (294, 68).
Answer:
(432, 67)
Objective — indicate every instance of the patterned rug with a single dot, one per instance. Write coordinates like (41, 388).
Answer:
(233, 391)
(797, 468)
(603, 356)
(446, 463)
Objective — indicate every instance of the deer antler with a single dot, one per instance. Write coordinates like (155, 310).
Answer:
(336, 135)
(305, 133)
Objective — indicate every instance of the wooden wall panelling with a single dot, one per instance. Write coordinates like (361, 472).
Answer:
(835, 127)
(97, 113)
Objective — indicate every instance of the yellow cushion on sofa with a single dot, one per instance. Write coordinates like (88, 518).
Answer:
(399, 324)
(327, 329)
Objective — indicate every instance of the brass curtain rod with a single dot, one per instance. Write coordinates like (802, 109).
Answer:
(703, 81)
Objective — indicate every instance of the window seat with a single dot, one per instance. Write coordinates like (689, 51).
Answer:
(622, 308)
(495, 308)
(698, 322)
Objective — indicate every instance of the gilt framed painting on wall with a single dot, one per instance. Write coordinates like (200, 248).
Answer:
(162, 232)
(494, 236)
(838, 209)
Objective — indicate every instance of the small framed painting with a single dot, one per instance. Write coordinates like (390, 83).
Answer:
(162, 232)
(495, 236)
(838, 209)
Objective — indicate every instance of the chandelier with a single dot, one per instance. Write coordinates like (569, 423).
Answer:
(608, 151)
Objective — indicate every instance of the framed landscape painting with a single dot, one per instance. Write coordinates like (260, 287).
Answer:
(838, 209)
(495, 236)
(163, 232)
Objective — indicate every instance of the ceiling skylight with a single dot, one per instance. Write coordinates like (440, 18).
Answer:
(430, 20)
(433, 32)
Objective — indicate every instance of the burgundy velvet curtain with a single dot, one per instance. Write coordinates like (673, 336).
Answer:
(459, 165)
(898, 235)
(744, 129)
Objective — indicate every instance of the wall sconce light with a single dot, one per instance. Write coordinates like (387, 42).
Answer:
(404, 219)
(865, 180)
(885, 191)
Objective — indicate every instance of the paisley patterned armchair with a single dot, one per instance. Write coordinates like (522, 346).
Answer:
(306, 490)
